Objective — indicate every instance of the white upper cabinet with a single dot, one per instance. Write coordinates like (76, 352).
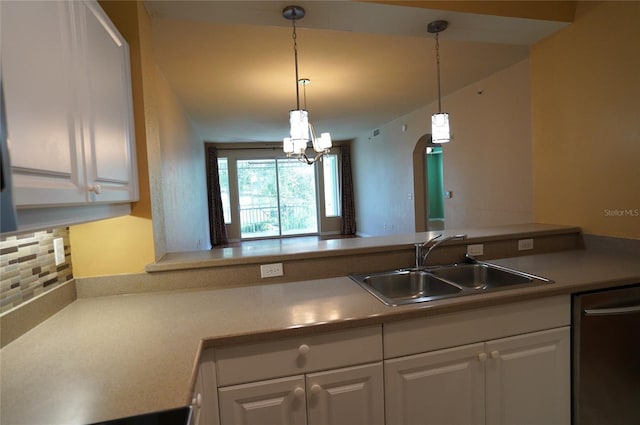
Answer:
(68, 100)
(107, 108)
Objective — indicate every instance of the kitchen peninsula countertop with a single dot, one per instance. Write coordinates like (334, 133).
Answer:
(114, 356)
(256, 253)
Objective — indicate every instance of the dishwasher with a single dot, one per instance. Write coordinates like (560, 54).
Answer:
(606, 356)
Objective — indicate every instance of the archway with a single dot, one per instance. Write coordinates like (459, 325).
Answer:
(427, 203)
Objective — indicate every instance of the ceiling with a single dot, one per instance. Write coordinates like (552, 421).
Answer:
(230, 63)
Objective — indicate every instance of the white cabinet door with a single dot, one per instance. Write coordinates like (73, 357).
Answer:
(349, 396)
(528, 379)
(38, 79)
(440, 387)
(274, 402)
(106, 106)
(67, 87)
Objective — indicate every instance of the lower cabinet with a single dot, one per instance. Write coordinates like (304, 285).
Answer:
(352, 395)
(440, 387)
(504, 364)
(330, 378)
(522, 379)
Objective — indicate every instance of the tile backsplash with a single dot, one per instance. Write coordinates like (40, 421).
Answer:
(28, 268)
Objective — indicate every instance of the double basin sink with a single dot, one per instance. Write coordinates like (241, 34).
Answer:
(409, 286)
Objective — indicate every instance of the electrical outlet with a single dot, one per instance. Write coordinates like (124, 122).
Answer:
(58, 251)
(524, 244)
(271, 270)
(475, 250)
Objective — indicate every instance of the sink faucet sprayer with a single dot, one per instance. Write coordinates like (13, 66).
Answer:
(421, 259)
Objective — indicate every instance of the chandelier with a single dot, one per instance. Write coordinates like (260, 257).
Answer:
(301, 130)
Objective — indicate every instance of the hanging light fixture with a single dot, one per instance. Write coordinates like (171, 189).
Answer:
(301, 130)
(440, 131)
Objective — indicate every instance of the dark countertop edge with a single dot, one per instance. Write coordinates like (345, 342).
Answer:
(168, 265)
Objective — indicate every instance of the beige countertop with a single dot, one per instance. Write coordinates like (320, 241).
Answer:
(107, 357)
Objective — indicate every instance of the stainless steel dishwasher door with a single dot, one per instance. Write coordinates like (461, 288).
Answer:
(606, 357)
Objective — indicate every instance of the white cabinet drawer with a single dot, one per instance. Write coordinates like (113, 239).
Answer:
(466, 327)
(290, 356)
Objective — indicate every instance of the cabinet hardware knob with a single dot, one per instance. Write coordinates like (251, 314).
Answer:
(298, 392)
(197, 400)
(97, 189)
(482, 357)
(316, 389)
(495, 354)
(303, 349)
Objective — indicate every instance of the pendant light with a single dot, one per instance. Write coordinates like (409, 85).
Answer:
(440, 131)
(301, 130)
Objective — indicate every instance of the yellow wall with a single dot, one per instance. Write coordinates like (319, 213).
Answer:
(586, 121)
(114, 246)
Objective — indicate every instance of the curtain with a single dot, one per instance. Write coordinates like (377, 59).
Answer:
(348, 206)
(217, 228)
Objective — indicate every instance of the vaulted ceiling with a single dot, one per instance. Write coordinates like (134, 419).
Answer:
(231, 64)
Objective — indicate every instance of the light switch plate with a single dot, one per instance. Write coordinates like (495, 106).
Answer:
(58, 251)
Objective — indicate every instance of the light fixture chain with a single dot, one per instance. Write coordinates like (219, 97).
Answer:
(295, 56)
(438, 70)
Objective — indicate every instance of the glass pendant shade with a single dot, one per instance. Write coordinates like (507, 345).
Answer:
(287, 145)
(299, 123)
(440, 132)
(322, 143)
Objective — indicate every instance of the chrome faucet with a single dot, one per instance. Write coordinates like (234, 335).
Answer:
(421, 258)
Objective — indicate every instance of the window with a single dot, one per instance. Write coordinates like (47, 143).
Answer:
(265, 195)
(331, 186)
(223, 173)
(277, 197)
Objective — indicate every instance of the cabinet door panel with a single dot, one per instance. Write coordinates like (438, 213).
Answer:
(273, 402)
(528, 379)
(108, 106)
(348, 396)
(439, 387)
(38, 78)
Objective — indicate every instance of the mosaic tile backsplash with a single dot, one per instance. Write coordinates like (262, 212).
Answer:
(28, 268)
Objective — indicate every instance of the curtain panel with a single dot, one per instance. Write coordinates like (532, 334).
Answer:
(217, 228)
(347, 199)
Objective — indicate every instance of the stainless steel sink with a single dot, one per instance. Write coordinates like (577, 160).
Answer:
(413, 286)
(481, 276)
(405, 286)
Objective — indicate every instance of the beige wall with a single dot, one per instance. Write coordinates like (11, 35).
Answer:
(184, 187)
(487, 166)
(586, 121)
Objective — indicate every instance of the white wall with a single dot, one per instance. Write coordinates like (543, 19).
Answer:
(184, 190)
(488, 165)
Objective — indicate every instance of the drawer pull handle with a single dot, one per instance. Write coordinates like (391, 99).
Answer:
(298, 393)
(303, 349)
(316, 389)
(495, 354)
(612, 311)
(197, 401)
(482, 357)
